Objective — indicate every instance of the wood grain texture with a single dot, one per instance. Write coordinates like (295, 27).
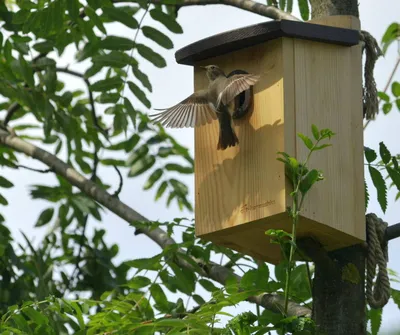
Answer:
(247, 180)
(242, 192)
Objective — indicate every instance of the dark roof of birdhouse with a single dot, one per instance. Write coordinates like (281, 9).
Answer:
(241, 38)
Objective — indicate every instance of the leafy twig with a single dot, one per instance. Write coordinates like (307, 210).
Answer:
(273, 302)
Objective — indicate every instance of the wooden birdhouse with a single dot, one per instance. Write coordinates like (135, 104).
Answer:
(310, 74)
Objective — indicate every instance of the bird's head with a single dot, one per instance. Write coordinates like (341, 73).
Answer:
(213, 72)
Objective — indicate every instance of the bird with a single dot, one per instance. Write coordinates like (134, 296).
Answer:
(204, 106)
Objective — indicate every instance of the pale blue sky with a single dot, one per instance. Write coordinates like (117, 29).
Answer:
(171, 85)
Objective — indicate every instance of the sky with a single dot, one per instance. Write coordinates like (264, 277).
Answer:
(171, 85)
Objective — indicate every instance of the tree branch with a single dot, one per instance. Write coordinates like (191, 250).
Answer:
(211, 270)
(10, 112)
(247, 5)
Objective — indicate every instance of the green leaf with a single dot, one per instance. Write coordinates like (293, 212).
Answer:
(45, 217)
(107, 84)
(282, 4)
(161, 190)
(300, 285)
(185, 279)
(176, 323)
(385, 153)
(152, 263)
(95, 19)
(27, 71)
(73, 9)
(391, 34)
(395, 294)
(78, 314)
(179, 168)
(131, 111)
(3, 201)
(208, 285)
(35, 316)
(141, 166)
(44, 47)
(139, 94)
(158, 37)
(370, 154)
(380, 186)
(309, 180)
(198, 299)
(160, 298)
(394, 174)
(138, 282)
(116, 43)
(116, 59)
(307, 141)
(153, 57)
(167, 20)
(108, 98)
(320, 147)
(256, 279)
(397, 101)
(315, 132)
(396, 89)
(5, 183)
(304, 9)
(139, 153)
(116, 14)
(154, 177)
(375, 316)
(383, 96)
(387, 107)
(142, 77)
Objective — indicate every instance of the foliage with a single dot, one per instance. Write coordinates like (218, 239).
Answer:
(302, 180)
(388, 164)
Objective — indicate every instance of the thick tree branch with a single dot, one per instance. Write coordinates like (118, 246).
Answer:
(211, 270)
(247, 5)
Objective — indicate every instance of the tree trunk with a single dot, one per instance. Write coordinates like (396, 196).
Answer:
(333, 7)
(338, 293)
(338, 288)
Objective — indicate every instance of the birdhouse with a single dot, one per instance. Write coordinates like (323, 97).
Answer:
(310, 74)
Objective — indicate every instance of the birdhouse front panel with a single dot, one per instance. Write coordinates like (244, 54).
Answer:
(242, 191)
(234, 186)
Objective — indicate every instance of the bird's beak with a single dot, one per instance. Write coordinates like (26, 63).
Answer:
(204, 67)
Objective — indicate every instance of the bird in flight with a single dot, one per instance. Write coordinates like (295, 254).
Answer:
(206, 105)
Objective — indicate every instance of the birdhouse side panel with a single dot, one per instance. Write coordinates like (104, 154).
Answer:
(328, 94)
(244, 183)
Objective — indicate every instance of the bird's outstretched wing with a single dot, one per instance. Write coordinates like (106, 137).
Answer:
(194, 111)
(236, 85)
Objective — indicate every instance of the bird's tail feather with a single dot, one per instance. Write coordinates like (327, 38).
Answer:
(227, 136)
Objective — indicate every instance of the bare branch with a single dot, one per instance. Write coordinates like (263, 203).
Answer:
(19, 166)
(10, 112)
(121, 182)
(211, 270)
(247, 5)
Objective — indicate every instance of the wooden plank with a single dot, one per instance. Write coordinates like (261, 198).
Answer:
(327, 96)
(244, 183)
